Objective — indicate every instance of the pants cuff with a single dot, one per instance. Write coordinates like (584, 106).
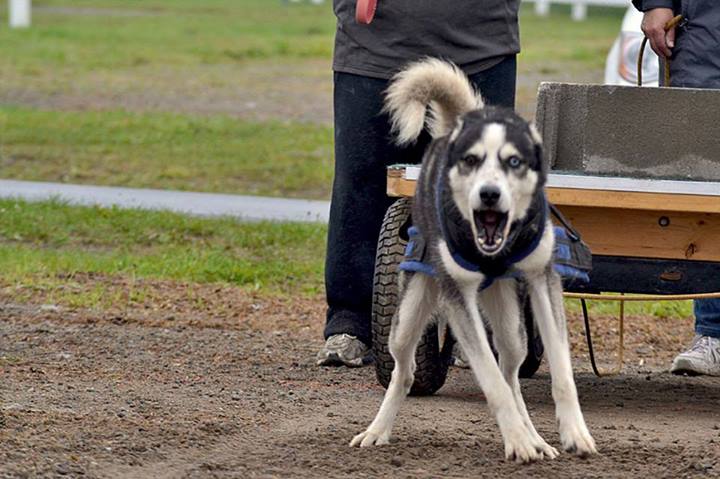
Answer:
(708, 331)
(349, 322)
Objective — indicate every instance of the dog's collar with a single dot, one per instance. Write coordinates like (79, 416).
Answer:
(471, 266)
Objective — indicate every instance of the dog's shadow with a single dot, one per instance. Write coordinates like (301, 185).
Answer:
(638, 392)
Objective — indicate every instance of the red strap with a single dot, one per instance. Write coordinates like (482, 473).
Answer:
(365, 11)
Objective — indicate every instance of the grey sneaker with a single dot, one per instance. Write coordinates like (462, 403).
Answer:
(343, 350)
(703, 357)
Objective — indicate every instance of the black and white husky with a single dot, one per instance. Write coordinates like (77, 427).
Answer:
(480, 207)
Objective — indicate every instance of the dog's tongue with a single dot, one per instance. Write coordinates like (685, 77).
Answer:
(488, 225)
(490, 230)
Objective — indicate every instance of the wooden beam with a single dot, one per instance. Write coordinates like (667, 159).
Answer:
(660, 234)
(397, 186)
(634, 200)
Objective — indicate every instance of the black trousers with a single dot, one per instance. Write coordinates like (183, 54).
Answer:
(363, 150)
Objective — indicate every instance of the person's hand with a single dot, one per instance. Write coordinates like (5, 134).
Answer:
(653, 26)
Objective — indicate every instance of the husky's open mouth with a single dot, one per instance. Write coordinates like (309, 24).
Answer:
(490, 230)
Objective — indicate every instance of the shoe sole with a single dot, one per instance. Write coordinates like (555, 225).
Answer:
(331, 360)
(685, 368)
(686, 372)
(334, 360)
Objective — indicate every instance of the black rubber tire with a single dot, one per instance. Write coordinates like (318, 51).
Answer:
(432, 361)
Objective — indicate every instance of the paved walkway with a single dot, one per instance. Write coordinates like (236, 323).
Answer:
(249, 208)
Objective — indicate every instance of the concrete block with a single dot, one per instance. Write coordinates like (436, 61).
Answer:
(669, 133)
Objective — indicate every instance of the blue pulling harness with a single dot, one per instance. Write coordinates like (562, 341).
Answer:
(570, 255)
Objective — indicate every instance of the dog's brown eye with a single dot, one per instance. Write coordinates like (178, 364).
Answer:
(472, 160)
(514, 162)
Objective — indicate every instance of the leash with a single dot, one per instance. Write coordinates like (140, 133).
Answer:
(365, 11)
(674, 22)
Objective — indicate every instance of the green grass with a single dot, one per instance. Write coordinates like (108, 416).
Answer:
(657, 309)
(42, 240)
(190, 32)
(168, 32)
(167, 151)
(556, 43)
(148, 46)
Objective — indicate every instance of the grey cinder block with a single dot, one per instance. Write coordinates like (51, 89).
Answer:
(671, 133)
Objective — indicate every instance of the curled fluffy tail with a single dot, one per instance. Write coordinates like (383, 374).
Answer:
(429, 84)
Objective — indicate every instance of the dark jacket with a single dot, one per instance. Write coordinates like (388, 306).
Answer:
(696, 56)
(474, 34)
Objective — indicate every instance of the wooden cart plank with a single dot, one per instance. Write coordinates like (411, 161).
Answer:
(661, 234)
(398, 186)
(635, 200)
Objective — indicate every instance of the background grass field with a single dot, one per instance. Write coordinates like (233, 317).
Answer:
(205, 95)
(120, 56)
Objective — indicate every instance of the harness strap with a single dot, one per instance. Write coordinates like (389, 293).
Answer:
(572, 259)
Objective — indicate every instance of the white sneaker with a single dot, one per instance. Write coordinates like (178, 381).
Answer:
(343, 350)
(703, 357)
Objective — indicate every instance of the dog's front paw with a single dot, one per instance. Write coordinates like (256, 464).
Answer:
(370, 438)
(545, 449)
(576, 439)
(520, 447)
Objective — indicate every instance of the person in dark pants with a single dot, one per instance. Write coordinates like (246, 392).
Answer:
(694, 52)
(483, 42)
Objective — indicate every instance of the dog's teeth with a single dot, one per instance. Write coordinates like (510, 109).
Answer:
(481, 240)
(498, 240)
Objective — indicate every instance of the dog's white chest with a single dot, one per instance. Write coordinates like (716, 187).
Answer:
(457, 272)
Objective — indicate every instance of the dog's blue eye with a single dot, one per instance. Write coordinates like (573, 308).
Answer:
(514, 162)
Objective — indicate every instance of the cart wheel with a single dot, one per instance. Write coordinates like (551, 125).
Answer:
(432, 361)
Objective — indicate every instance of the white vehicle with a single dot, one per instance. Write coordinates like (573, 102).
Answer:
(621, 63)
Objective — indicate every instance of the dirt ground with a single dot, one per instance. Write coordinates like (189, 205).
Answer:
(226, 387)
(255, 91)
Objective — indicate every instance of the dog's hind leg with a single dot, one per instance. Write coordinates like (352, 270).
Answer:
(501, 304)
(547, 304)
(469, 330)
(418, 301)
